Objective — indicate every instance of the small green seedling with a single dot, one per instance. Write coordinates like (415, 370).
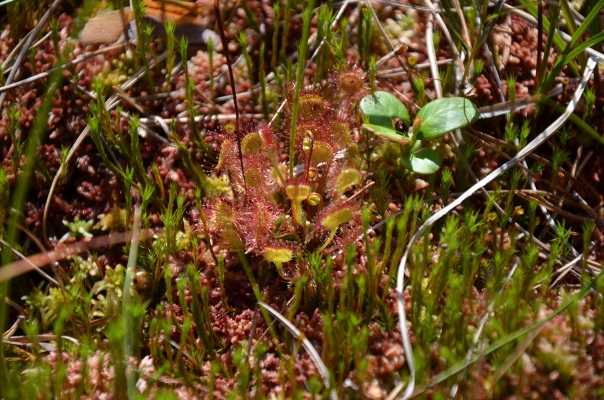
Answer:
(77, 228)
(389, 119)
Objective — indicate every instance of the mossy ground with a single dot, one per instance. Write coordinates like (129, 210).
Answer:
(143, 137)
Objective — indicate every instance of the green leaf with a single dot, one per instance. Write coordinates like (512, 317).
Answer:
(382, 108)
(416, 146)
(445, 115)
(423, 161)
(387, 133)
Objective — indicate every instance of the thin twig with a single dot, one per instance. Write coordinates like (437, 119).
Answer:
(432, 57)
(553, 208)
(584, 162)
(504, 108)
(20, 267)
(14, 328)
(198, 118)
(26, 46)
(45, 337)
(445, 31)
(400, 48)
(396, 72)
(494, 72)
(45, 74)
(148, 131)
(33, 266)
(564, 270)
(33, 46)
(592, 213)
(395, 3)
(124, 96)
(466, 37)
(14, 53)
(377, 22)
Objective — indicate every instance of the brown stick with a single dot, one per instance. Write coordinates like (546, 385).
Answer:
(22, 266)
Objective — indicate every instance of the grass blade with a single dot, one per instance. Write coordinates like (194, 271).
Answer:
(306, 344)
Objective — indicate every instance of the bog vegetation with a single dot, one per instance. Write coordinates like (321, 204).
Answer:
(290, 199)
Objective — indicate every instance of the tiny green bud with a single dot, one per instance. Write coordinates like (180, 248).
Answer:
(307, 144)
(230, 128)
(411, 61)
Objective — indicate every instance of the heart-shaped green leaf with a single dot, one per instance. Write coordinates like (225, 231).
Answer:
(382, 108)
(445, 115)
(423, 161)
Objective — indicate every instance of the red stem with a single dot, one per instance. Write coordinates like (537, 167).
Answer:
(225, 47)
